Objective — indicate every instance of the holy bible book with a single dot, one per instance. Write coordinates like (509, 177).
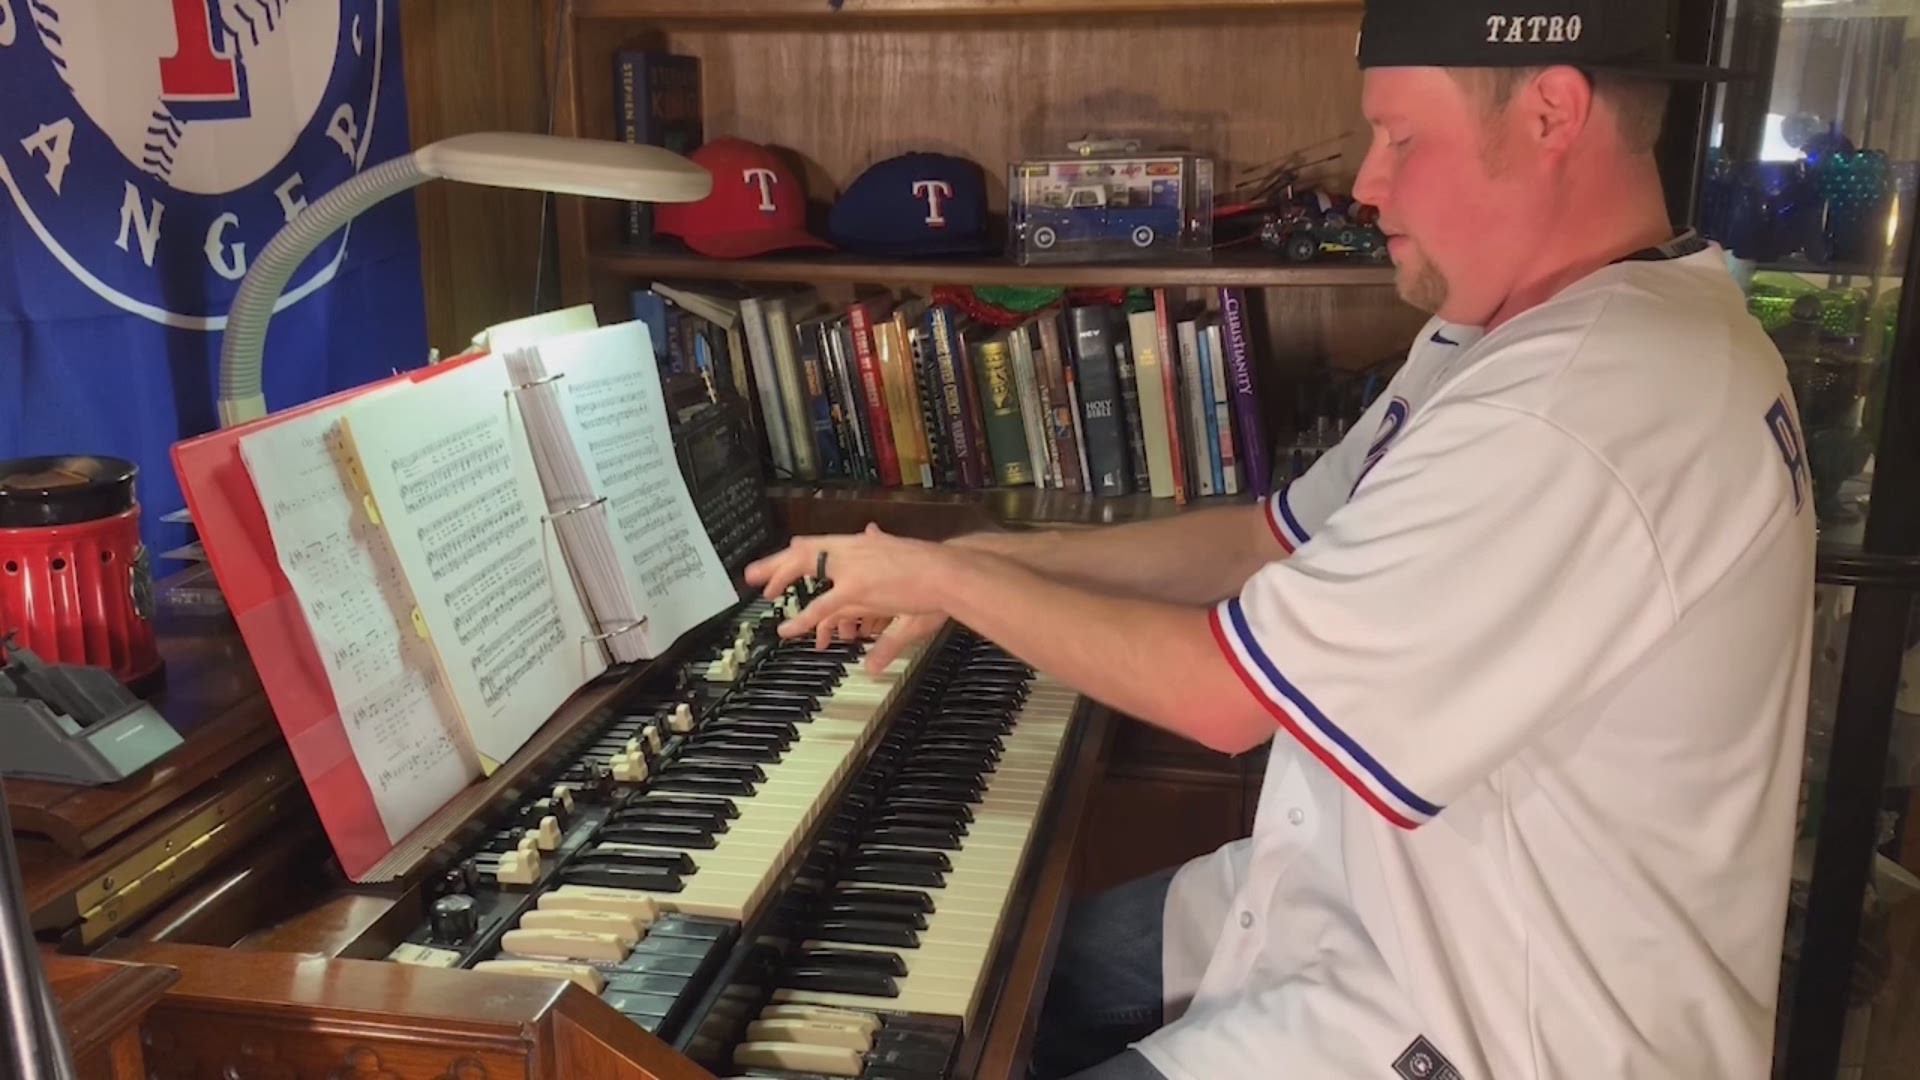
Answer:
(425, 569)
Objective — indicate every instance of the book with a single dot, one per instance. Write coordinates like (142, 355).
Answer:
(1196, 387)
(657, 98)
(785, 313)
(932, 406)
(1125, 364)
(1000, 410)
(1153, 406)
(1214, 362)
(1063, 411)
(1255, 455)
(766, 386)
(424, 570)
(1033, 415)
(900, 388)
(947, 351)
(1109, 463)
(1170, 384)
(862, 317)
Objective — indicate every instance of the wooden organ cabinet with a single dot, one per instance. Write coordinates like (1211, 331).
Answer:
(210, 869)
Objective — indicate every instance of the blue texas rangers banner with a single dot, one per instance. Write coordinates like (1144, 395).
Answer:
(149, 148)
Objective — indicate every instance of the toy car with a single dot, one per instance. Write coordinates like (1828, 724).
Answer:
(1303, 233)
(1087, 216)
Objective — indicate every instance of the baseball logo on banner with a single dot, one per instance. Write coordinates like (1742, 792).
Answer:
(189, 132)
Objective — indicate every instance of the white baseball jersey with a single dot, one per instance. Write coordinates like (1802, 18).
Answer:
(1539, 664)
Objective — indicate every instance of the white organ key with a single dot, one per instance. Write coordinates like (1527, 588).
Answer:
(801, 1057)
(548, 838)
(635, 905)
(865, 1021)
(813, 1032)
(590, 980)
(564, 945)
(680, 724)
(629, 767)
(622, 926)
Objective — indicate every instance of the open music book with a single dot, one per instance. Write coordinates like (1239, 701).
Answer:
(460, 549)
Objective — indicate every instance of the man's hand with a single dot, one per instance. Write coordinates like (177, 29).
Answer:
(875, 577)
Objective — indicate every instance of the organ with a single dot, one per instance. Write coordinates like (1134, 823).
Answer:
(746, 857)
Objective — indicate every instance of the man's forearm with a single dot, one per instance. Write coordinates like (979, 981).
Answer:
(1156, 661)
(1194, 558)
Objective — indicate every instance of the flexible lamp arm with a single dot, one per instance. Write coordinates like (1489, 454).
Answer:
(562, 165)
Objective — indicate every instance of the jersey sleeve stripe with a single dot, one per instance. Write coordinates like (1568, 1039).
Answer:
(1297, 714)
(1279, 530)
(1285, 525)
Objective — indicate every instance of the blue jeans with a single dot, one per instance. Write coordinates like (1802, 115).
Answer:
(1106, 986)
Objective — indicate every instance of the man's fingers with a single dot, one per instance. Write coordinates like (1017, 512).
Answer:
(782, 570)
(816, 615)
(892, 641)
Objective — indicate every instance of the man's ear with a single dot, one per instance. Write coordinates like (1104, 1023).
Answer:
(1556, 107)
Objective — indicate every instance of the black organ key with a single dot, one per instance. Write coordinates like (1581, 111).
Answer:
(621, 877)
(709, 785)
(650, 814)
(893, 873)
(724, 807)
(870, 854)
(885, 963)
(921, 819)
(911, 804)
(911, 836)
(678, 862)
(862, 932)
(660, 834)
(744, 751)
(717, 768)
(835, 981)
(911, 900)
(884, 913)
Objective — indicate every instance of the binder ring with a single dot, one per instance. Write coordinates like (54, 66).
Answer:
(618, 630)
(556, 376)
(588, 505)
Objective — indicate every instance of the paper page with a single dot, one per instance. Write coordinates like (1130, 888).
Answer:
(611, 398)
(533, 329)
(450, 472)
(400, 723)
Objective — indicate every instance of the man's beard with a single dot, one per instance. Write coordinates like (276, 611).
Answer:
(1423, 286)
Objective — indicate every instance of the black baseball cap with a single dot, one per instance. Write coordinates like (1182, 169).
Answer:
(1628, 37)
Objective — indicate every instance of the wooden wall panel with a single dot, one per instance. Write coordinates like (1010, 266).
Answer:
(475, 65)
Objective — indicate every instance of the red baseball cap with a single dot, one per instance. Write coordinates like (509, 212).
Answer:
(757, 205)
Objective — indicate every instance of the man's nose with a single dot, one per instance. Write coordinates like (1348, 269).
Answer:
(1372, 184)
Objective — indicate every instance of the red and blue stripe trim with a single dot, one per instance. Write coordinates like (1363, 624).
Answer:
(1335, 748)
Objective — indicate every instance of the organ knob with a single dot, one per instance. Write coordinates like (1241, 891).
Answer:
(454, 919)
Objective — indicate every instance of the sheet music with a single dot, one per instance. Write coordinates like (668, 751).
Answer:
(610, 395)
(451, 473)
(400, 722)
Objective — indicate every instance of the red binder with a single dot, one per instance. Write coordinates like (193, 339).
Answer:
(233, 529)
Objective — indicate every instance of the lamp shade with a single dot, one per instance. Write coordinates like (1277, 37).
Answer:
(567, 166)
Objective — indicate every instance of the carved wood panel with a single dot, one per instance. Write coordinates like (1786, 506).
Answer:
(191, 1047)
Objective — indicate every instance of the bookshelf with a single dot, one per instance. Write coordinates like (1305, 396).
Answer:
(641, 264)
(835, 85)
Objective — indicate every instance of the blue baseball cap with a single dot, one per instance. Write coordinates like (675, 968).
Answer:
(913, 204)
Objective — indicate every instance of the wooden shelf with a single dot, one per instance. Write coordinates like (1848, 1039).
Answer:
(822, 10)
(1238, 270)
